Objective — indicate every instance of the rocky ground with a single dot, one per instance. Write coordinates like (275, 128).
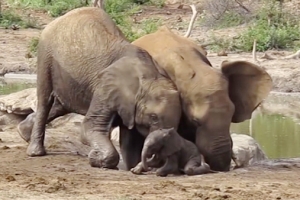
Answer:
(63, 174)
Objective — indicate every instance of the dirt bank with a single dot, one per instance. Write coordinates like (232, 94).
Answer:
(62, 175)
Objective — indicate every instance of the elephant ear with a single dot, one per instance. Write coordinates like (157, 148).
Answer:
(120, 84)
(173, 142)
(249, 84)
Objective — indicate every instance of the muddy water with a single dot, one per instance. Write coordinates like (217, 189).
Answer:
(275, 125)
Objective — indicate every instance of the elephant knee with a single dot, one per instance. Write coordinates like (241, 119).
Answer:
(189, 170)
(24, 128)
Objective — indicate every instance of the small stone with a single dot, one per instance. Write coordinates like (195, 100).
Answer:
(10, 178)
(278, 198)
(5, 147)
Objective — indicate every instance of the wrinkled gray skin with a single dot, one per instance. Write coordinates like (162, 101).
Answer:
(176, 153)
(86, 66)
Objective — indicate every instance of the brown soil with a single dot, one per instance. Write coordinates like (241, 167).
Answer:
(69, 176)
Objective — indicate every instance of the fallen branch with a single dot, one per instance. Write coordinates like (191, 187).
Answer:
(293, 56)
(242, 6)
(195, 12)
(267, 57)
(254, 51)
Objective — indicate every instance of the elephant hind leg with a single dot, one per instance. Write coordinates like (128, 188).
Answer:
(24, 128)
(45, 99)
(197, 168)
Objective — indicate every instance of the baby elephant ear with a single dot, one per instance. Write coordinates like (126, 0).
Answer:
(172, 142)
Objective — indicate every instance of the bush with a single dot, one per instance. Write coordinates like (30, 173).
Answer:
(273, 28)
(226, 13)
(9, 18)
(55, 7)
(121, 11)
(33, 45)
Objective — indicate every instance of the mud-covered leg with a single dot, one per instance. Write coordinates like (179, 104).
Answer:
(197, 167)
(138, 169)
(170, 167)
(193, 168)
(154, 162)
(95, 128)
(131, 145)
(24, 128)
(45, 100)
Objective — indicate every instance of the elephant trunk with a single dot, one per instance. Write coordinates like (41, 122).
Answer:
(145, 155)
(217, 152)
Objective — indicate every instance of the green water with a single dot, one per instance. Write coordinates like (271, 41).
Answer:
(278, 136)
(278, 133)
(7, 88)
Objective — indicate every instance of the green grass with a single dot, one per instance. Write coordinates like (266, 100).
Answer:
(33, 45)
(55, 8)
(281, 32)
(9, 18)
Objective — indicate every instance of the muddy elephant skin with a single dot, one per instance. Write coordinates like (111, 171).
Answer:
(178, 154)
(86, 66)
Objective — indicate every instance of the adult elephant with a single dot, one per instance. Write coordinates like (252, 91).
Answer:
(211, 98)
(86, 66)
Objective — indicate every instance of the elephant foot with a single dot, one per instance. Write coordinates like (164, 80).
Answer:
(24, 129)
(161, 173)
(137, 169)
(98, 159)
(36, 149)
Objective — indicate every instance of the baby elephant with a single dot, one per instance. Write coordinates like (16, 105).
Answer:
(170, 153)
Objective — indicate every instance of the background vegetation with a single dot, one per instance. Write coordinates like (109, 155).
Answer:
(267, 21)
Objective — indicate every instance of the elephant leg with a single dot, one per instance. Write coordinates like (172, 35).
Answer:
(131, 145)
(170, 166)
(138, 169)
(154, 162)
(191, 168)
(24, 128)
(197, 167)
(95, 129)
(45, 99)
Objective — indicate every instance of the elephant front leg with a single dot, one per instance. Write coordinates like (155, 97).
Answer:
(131, 145)
(96, 128)
(170, 166)
(138, 169)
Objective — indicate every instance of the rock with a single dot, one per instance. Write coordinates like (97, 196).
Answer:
(222, 53)
(114, 135)
(246, 150)
(19, 103)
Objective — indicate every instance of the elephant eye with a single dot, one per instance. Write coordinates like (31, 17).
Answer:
(154, 118)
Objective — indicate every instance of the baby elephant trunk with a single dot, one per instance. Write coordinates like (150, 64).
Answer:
(145, 155)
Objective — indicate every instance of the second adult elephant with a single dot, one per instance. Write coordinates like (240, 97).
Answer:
(86, 66)
(211, 98)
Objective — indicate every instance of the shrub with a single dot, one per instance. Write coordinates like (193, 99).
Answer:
(9, 18)
(273, 28)
(226, 13)
(55, 7)
(33, 45)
